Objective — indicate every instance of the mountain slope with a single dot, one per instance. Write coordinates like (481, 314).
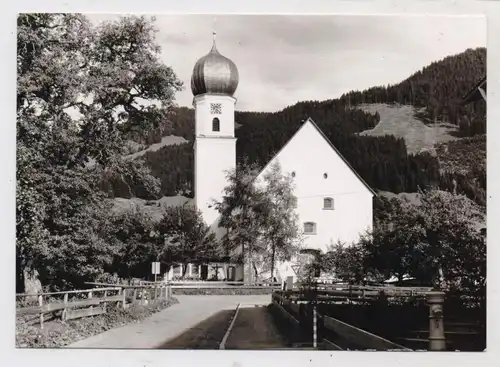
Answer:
(391, 153)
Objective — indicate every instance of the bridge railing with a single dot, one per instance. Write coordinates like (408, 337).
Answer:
(296, 308)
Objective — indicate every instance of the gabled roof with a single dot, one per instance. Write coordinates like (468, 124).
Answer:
(310, 120)
(474, 94)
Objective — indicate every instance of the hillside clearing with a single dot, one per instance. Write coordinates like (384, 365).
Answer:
(165, 141)
(400, 121)
(151, 207)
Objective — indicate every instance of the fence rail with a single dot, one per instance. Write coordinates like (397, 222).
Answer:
(91, 302)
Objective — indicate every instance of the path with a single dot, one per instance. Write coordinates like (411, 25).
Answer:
(169, 323)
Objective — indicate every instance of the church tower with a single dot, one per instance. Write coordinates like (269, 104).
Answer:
(213, 83)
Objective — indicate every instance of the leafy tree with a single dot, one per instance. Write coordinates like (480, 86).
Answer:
(259, 216)
(81, 90)
(282, 236)
(349, 262)
(186, 237)
(438, 240)
(243, 210)
(133, 233)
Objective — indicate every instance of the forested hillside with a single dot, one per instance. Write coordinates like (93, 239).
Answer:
(382, 161)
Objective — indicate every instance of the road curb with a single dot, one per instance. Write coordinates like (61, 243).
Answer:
(228, 331)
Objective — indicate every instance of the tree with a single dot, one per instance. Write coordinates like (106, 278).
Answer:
(259, 216)
(81, 90)
(133, 234)
(282, 236)
(438, 239)
(243, 210)
(186, 236)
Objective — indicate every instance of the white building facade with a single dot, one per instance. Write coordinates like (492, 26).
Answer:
(333, 203)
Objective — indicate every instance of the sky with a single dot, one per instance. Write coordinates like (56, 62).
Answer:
(282, 60)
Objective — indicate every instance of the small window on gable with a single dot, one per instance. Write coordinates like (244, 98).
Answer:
(293, 202)
(215, 124)
(328, 203)
(309, 228)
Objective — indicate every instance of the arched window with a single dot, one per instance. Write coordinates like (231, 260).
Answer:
(215, 124)
(309, 228)
(293, 202)
(328, 203)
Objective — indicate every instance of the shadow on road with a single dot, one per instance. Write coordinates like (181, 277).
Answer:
(254, 328)
(205, 335)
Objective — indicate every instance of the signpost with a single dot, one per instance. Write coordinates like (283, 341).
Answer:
(155, 268)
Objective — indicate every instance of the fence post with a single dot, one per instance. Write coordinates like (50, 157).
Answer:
(315, 328)
(134, 296)
(40, 303)
(437, 340)
(90, 297)
(105, 301)
(124, 301)
(65, 311)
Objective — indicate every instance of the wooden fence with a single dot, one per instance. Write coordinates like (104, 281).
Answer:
(75, 304)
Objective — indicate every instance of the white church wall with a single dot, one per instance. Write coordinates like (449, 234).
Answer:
(310, 157)
(214, 156)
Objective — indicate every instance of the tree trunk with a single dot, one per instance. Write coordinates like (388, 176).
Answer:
(255, 271)
(250, 263)
(273, 254)
(184, 269)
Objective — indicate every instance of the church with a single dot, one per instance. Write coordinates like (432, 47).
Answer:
(333, 202)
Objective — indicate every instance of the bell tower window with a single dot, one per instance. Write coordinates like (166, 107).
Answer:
(215, 124)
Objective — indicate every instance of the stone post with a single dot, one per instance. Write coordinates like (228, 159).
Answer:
(190, 270)
(437, 340)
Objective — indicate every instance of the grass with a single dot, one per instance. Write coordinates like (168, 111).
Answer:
(400, 121)
(58, 334)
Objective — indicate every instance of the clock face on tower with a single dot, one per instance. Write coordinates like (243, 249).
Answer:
(215, 108)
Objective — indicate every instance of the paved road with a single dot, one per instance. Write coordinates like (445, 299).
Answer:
(254, 328)
(168, 324)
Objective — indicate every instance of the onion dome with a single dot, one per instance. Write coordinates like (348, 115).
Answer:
(214, 74)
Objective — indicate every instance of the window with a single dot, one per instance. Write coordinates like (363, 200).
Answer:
(328, 203)
(215, 108)
(310, 228)
(293, 202)
(215, 124)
